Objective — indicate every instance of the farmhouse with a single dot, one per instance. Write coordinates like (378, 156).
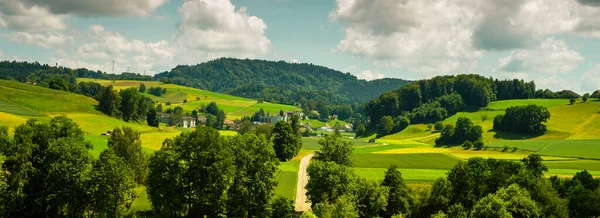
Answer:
(189, 122)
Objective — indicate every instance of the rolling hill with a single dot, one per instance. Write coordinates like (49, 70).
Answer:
(278, 81)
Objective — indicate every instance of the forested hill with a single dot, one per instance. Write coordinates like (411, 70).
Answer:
(278, 81)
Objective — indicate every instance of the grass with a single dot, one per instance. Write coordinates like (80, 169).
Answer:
(287, 178)
(46, 101)
(419, 176)
(235, 107)
(409, 161)
(549, 103)
(9, 107)
(141, 203)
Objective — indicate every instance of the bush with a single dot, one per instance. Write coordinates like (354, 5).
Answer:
(429, 127)
(184, 101)
(478, 145)
(400, 123)
(168, 103)
(505, 148)
(438, 126)
(467, 145)
(572, 101)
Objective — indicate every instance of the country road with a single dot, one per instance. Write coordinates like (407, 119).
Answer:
(301, 204)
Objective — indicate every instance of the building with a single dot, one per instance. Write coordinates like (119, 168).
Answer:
(164, 117)
(201, 119)
(189, 122)
(347, 128)
(275, 119)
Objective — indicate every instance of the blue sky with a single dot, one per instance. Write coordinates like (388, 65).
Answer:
(555, 43)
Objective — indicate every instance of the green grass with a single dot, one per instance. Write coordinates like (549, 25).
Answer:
(141, 203)
(235, 107)
(409, 161)
(562, 148)
(421, 176)
(43, 100)
(9, 107)
(549, 103)
(287, 178)
(575, 165)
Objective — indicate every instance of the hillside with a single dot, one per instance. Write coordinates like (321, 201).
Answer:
(570, 145)
(278, 81)
(234, 107)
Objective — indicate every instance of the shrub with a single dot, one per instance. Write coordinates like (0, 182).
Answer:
(438, 126)
(572, 101)
(505, 148)
(478, 145)
(523, 119)
(168, 103)
(467, 145)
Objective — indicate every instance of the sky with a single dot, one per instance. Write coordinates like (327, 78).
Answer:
(556, 43)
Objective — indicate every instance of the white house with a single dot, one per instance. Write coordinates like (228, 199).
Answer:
(189, 122)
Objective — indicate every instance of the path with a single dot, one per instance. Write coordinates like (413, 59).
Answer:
(301, 204)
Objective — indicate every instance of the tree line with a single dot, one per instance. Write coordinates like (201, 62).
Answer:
(474, 188)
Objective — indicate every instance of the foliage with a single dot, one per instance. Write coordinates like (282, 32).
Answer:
(157, 91)
(523, 119)
(385, 126)
(278, 81)
(152, 118)
(133, 105)
(437, 98)
(464, 131)
(112, 185)
(282, 207)
(360, 131)
(216, 116)
(328, 181)
(142, 88)
(285, 142)
(109, 102)
(336, 150)
(344, 206)
(438, 126)
(372, 198)
(572, 101)
(585, 97)
(399, 199)
(126, 144)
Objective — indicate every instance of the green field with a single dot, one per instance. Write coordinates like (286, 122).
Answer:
(235, 107)
(571, 144)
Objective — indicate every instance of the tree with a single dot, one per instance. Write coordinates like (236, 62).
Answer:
(58, 84)
(254, 180)
(334, 149)
(282, 207)
(585, 97)
(484, 117)
(400, 123)
(328, 181)
(372, 198)
(534, 163)
(360, 131)
(265, 129)
(284, 141)
(112, 186)
(48, 170)
(219, 115)
(385, 126)
(127, 145)
(133, 105)
(439, 198)
(572, 101)
(142, 88)
(109, 102)
(246, 126)
(203, 168)
(152, 117)
(523, 119)
(490, 206)
(518, 202)
(438, 126)
(399, 198)
(344, 206)
(184, 101)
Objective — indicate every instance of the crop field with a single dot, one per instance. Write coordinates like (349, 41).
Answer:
(409, 161)
(287, 178)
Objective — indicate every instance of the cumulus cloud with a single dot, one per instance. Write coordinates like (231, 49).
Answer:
(369, 75)
(96, 7)
(439, 36)
(50, 40)
(552, 56)
(101, 46)
(435, 43)
(214, 28)
(19, 16)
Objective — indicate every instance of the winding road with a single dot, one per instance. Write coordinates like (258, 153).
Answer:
(301, 204)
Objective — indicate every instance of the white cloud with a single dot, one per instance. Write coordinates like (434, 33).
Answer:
(98, 7)
(369, 75)
(50, 40)
(101, 46)
(552, 56)
(18, 16)
(440, 37)
(591, 79)
(214, 28)
(436, 43)
(295, 61)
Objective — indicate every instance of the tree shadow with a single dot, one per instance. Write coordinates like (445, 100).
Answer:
(513, 136)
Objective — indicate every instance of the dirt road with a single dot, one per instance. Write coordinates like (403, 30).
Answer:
(301, 204)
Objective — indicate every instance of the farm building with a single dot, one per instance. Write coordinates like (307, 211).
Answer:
(189, 122)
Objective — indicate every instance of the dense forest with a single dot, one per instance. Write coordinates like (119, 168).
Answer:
(279, 81)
